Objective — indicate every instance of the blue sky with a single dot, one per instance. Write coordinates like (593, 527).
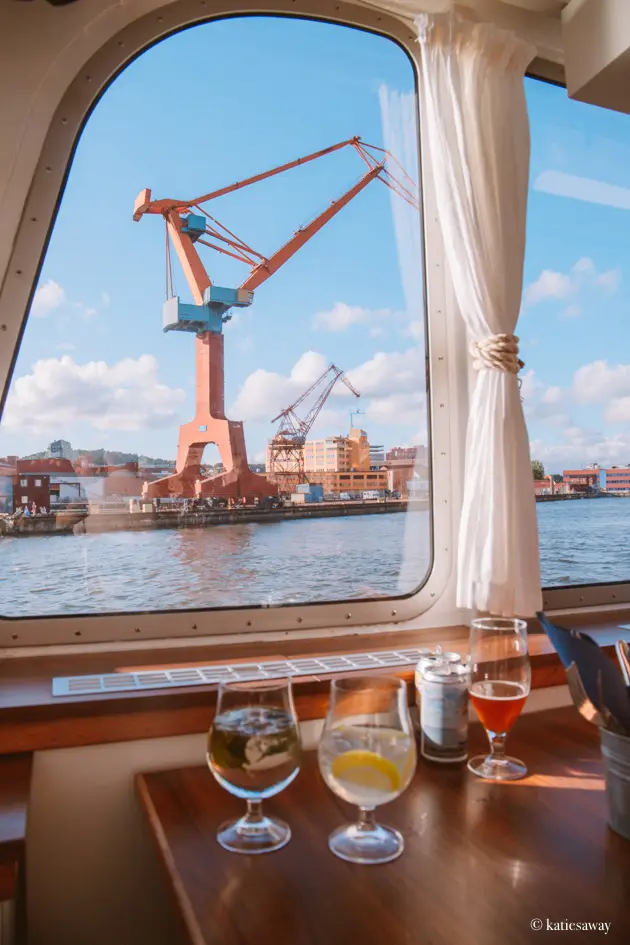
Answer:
(574, 319)
(219, 102)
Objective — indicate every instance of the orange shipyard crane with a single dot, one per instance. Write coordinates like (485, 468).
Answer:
(185, 230)
(286, 449)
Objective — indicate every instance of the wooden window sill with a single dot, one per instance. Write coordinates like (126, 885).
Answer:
(33, 720)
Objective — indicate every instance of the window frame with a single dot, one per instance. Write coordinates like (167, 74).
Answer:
(444, 383)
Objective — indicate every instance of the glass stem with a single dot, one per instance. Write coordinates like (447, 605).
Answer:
(366, 818)
(497, 746)
(254, 812)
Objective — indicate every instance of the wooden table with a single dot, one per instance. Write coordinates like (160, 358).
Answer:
(482, 861)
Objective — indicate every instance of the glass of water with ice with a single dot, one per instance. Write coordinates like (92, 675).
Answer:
(254, 753)
(367, 757)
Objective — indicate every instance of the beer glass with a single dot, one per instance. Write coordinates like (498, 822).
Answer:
(254, 753)
(367, 757)
(499, 685)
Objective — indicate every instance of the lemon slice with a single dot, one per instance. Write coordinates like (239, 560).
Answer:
(366, 769)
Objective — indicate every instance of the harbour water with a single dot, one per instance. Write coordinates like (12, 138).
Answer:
(582, 542)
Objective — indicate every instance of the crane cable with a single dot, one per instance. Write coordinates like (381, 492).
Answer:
(170, 292)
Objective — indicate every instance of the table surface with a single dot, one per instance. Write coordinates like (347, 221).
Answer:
(481, 860)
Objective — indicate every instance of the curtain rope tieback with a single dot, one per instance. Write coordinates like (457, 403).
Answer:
(496, 353)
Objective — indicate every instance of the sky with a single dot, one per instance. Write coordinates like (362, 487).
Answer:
(219, 102)
(573, 324)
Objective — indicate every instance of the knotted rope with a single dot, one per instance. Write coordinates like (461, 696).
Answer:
(496, 353)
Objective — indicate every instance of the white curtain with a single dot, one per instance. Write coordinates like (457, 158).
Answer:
(476, 133)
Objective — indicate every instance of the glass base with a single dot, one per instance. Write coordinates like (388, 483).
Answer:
(507, 769)
(263, 835)
(373, 844)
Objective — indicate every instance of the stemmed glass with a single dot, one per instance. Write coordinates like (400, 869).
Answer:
(254, 752)
(367, 756)
(499, 685)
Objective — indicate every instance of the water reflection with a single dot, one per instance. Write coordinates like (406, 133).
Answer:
(222, 566)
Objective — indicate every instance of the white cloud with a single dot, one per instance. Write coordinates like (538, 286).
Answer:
(65, 346)
(618, 411)
(123, 396)
(585, 264)
(408, 409)
(391, 385)
(609, 280)
(583, 276)
(553, 395)
(389, 373)
(47, 298)
(541, 403)
(578, 447)
(84, 311)
(51, 296)
(264, 394)
(599, 382)
(549, 285)
(341, 316)
(583, 188)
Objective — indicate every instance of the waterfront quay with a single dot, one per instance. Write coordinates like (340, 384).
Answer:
(112, 521)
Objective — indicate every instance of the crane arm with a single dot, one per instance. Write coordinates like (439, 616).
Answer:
(291, 408)
(352, 390)
(266, 269)
(312, 415)
(144, 204)
(194, 270)
(301, 428)
(276, 170)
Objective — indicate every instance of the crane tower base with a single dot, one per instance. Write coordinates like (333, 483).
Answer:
(243, 484)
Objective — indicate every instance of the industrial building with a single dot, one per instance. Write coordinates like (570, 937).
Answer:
(618, 479)
(338, 453)
(339, 463)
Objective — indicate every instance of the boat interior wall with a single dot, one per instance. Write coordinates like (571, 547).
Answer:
(597, 52)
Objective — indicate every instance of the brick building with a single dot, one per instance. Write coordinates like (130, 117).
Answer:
(31, 488)
(22, 484)
(582, 480)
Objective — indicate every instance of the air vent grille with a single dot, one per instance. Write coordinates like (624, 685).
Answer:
(235, 672)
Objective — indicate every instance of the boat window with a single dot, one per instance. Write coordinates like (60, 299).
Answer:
(201, 366)
(574, 337)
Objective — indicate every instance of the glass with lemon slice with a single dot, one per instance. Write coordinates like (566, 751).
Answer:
(367, 757)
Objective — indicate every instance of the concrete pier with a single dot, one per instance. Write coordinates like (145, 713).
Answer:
(140, 521)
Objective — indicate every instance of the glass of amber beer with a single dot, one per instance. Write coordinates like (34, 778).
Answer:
(499, 685)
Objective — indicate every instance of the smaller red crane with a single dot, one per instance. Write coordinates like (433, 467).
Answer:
(286, 449)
